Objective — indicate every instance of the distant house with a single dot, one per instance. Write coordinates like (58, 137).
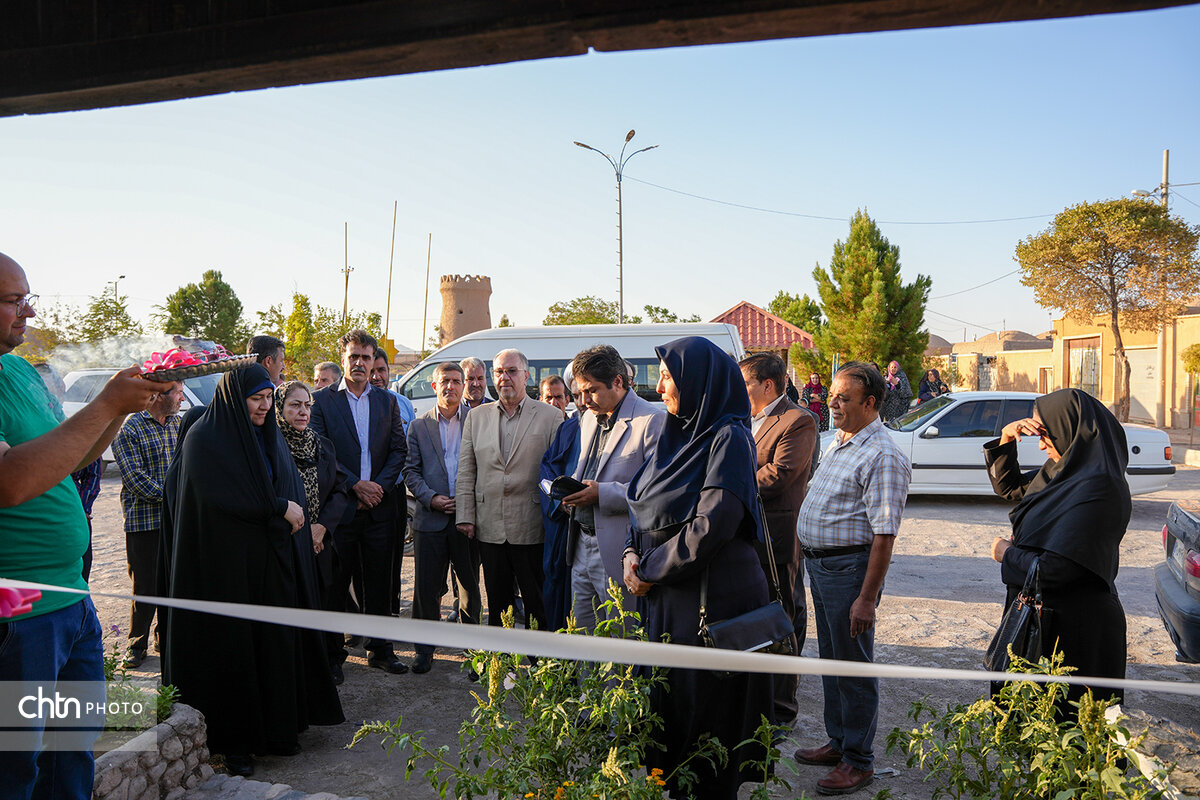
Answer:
(1004, 361)
(763, 332)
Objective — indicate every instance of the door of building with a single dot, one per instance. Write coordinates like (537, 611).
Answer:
(1143, 385)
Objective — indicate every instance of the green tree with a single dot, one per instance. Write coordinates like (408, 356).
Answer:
(659, 314)
(55, 325)
(107, 316)
(504, 322)
(583, 311)
(300, 333)
(207, 310)
(803, 312)
(1128, 260)
(272, 322)
(871, 315)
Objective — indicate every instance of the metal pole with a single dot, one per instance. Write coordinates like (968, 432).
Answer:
(620, 259)
(1165, 184)
(425, 315)
(391, 257)
(346, 272)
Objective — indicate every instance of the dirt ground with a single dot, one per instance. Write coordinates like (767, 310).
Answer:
(942, 602)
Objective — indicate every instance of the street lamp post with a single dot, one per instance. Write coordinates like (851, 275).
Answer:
(618, 165)
(116, 294)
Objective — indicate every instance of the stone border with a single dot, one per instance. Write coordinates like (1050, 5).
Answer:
(159, 764)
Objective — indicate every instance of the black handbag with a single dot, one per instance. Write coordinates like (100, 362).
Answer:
(1021, 626)
(767, 628)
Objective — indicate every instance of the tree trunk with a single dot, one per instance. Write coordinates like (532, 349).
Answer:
(1121, 379)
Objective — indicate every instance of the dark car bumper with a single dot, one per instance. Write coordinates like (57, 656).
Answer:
(1180, 612)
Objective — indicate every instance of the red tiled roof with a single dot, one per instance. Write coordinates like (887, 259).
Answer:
(760, 328)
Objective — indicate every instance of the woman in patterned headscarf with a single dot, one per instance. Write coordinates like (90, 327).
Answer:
(314, 457)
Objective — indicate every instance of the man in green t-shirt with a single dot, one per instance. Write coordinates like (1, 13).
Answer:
(43, 536)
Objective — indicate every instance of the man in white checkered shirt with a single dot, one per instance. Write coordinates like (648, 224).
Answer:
(847, 527)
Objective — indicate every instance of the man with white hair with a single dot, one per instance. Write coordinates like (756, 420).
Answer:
(497, 502)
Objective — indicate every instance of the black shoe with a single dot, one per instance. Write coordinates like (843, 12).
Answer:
(239, 765)
(134, 659)
(473, 676)
(422, 663)
(338, 676)
(283, 748)
(452, 616)
(387, 663)
(354, 640)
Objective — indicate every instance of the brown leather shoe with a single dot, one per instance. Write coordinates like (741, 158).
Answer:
(823, 756)
(845, 779)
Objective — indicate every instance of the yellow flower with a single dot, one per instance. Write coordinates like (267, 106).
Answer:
(568, 783)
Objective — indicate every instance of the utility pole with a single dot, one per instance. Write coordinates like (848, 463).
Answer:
(391, 257)
(425, 315)
(346, 270)
(1166, 185)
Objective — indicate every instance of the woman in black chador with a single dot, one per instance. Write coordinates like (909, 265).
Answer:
(1072, 515)
(238, 534)
(694, 512)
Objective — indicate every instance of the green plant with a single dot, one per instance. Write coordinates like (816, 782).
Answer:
(1021, 743)
(164, 700)
(557, 729)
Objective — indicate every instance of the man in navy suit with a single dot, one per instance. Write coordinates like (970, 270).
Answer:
(367, 432)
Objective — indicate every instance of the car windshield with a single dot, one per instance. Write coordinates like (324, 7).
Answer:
(913, 419)
(204, 387)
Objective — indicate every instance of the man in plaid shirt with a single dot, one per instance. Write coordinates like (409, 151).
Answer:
(143, 451)
(847, 527)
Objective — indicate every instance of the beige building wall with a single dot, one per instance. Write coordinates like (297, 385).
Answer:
(1019, 370)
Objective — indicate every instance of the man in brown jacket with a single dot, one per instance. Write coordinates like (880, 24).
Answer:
(784, 436)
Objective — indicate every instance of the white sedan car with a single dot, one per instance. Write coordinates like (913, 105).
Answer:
(944, 438)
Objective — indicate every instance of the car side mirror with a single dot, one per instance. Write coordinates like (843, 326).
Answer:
(930, 433)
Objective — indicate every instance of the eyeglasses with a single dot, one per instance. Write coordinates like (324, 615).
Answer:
(21, 303)
(511, 372)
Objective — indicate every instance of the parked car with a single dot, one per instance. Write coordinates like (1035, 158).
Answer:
(82, 386)
(944, 439)
(1177, 580)
(551, 348)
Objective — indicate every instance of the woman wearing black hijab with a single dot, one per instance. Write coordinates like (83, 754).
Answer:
(1071, 516)
(235, 505)
(694, 511)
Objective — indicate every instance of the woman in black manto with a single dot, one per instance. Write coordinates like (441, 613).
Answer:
(1072, 515)
(239, 534)
(324, 495)
(694, 509)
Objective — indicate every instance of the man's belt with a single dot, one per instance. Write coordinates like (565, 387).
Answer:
(810, 552)
(585, 530)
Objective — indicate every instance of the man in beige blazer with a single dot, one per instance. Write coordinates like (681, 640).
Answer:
(497, 502)
(617, 433)
(784, 437)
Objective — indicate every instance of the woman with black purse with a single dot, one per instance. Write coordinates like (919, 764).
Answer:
(1070, 520)
(695, 518)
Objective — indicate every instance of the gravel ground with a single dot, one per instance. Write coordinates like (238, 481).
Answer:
(942, 602)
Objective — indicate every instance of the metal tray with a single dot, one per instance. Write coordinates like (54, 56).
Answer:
(196, 370)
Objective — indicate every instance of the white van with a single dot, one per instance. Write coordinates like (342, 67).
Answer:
(551, 348)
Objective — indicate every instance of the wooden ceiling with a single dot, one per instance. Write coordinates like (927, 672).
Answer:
(60, 55)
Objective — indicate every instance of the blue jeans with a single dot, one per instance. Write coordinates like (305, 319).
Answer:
(64, 645)
(851, 704)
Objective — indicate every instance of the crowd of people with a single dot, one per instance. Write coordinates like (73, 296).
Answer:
(278, 493)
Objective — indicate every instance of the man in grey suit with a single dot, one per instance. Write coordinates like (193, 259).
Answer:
(431, 474)
(616, 436)
(498, 504)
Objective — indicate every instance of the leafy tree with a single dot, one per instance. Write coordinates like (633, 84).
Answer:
(1190, 356)
(803, 312)
(1127, 259)
(583, 311)
(207, 310)
(107, 316)
(504, 323)
(300, 333)
(54, 325)
(272, 322)
(870, 314)
(659, 314)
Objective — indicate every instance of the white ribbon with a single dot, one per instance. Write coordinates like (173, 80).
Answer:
(596, 648)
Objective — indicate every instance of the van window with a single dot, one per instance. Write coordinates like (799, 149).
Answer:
(204, 387)
(86, 387)
(420, 385)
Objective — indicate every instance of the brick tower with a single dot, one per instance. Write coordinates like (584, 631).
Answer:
(465, 306)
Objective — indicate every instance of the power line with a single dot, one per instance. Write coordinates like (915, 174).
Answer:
(1176, 193)
(962, 321)
(973, 288)
(832, 219)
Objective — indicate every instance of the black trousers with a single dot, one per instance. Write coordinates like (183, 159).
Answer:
(789, 577)
(141, 555)
(366, 545)
(400, 530)
(502, 563)
(433, 553)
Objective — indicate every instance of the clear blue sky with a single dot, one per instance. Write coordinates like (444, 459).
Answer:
(932, 126)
